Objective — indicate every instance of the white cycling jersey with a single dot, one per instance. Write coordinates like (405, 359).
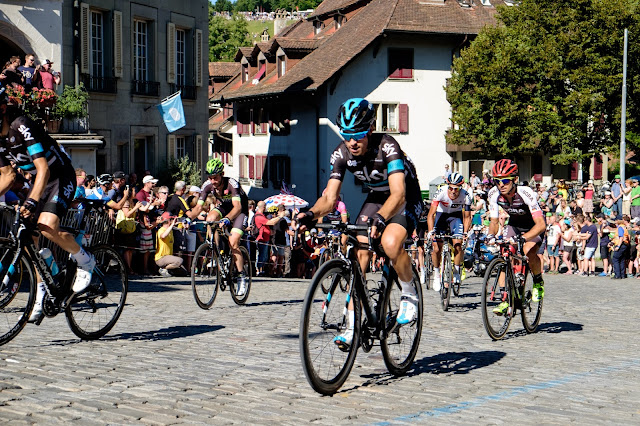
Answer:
(444, 204)
(522, 209)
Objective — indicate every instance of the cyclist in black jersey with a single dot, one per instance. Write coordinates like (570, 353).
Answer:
(232, 210)
(26, 145)
(394, 201)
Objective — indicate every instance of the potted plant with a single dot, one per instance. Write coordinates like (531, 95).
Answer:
(71, 106)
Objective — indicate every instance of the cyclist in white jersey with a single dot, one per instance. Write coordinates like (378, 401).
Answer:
(450, 213)
(525, 220)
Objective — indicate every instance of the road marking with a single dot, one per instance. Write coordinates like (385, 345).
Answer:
(500, 396)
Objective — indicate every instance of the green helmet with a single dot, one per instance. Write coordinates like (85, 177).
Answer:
(215, 166)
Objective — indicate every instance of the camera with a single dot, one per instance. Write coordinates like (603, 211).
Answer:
(126, 187)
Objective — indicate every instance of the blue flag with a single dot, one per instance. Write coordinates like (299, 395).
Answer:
(172, 112)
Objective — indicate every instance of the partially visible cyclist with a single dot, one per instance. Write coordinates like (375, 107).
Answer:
(32, 150)
(393, 202)
(450, 213)
(233, 210)
(525, 220)
(421, 233)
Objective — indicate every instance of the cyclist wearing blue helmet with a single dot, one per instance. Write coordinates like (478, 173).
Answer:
(393, 202)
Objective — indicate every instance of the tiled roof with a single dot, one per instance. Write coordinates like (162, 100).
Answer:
(443, 18)
(328, 6)
(333, 50)
(223, 69)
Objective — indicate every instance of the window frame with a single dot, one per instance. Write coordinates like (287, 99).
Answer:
(384, 116)
(181, 57)
(141, 61)
(398, 65)
(96, 44)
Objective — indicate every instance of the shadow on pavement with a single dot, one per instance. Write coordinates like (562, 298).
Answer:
(446, 363)
(275, 302)
(155, 285)
(166, 333)
(552, 327)
(462, 307)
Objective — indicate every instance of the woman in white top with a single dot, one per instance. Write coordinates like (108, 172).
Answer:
(626, 197)
(563, 208)
(569, 245)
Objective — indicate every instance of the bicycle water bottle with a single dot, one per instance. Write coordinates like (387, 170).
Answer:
(49, 260)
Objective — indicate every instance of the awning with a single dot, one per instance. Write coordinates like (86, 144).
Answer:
(82, 143)
(258, 76)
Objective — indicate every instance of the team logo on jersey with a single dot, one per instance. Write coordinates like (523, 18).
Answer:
(68, 190)
(336, 154)
(19, 158)
(233, 183)
(26, 132)
(352, 163)
(389, 149)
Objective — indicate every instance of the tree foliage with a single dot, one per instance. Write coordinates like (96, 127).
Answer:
(272, 5)
(548, 77)
(226, 36)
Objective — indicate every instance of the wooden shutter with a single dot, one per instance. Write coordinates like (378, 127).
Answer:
(171, 52)
(239, 126)
(573, 167)
(252, 164)
(85, 38)
(197, 57)
(199, 150)
(242, 166)
(597, 167)
(171, 147)
(117, 43)
(403, 118)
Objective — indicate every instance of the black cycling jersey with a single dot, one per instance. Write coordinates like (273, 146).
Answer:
(231, 191)
(25, 142)
(383, 158)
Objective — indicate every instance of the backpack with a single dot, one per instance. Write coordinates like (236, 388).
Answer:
(255, 231)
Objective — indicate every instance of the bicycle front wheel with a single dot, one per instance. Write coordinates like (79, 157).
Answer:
(324, 317)
(428, 267)
(241, 298)
(94, 312)
(447, 280)
(495, 291)
(531, 311)
(205, 276)
(17, 295)
(400, 342)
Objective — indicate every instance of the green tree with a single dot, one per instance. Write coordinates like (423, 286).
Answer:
(548, 78)
(223, 6)
(226, 36)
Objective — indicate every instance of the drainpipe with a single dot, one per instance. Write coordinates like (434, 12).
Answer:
(323, 121)
(76, 43)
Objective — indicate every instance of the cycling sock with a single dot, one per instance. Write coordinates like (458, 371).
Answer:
(82, 257)
(40, 292)
(352, 319)
(407, 287)
(537, 279)
(436, 270)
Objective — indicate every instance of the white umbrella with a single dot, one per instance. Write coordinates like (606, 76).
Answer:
(288, 200)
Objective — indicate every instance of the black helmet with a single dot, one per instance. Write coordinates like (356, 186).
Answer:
(355, 116)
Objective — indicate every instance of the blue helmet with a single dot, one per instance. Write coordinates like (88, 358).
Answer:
(355, 117)
(455, 178)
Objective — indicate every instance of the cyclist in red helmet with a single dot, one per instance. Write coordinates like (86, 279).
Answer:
(525, 219)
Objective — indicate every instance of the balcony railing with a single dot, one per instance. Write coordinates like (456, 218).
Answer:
(145, 88)
(100, 84)
(188, 92)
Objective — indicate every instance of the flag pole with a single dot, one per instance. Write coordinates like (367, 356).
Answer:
(164, 100)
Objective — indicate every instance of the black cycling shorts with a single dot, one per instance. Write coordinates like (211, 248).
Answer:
(240, 223)
(512, 231)
(407, 218)
(58, 195)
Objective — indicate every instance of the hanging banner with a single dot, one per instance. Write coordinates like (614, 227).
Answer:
(172, 112)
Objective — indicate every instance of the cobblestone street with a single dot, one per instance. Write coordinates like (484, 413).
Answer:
(167, 361)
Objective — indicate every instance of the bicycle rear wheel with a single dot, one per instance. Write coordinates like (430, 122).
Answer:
(447, 279)
(205, 276)
(323, 318)
(247, 273)
(428, 267)
(17, 295)
(531, 311)
(94, 312)
(400, 344)
(495, 323)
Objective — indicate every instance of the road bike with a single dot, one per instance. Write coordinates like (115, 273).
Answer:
(427, 245)
(447, 283)
(325, 316)
(509, 278)
(91, 313)
(214, 267)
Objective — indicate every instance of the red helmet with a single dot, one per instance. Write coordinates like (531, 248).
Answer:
(505, 168)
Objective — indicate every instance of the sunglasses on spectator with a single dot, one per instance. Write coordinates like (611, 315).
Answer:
(163, 192)
(503, 181)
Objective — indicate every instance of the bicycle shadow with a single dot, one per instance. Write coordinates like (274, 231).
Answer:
(275, 302)
(168, 333)
(463, 307)
(147, 285)
(445, 363)
(551, 328)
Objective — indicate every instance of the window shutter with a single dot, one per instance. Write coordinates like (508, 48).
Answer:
(597, 167)
(117, 43)
(85, 38)
(239, 126)
(243, 166)
(403, 118)
(171, 52)
(171, 147)
(199, 151)
(263, 167)
(197, 57)
(252, 163)
(573, 167)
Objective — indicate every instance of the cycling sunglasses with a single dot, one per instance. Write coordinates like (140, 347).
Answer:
(454, 188)
(354, 136)
(503, 181)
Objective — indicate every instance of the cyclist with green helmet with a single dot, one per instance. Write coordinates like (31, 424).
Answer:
(233, 209)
